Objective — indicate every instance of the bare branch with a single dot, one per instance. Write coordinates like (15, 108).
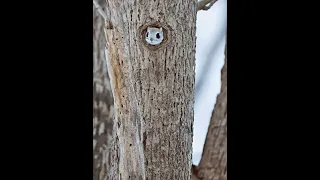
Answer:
(205, 4)
(101, 12)
(200, 83)
(213, 163)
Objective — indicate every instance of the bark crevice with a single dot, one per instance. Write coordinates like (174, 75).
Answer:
(153, 89)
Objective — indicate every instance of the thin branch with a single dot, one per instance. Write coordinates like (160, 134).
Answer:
(101, 12)
(205, 4)
(208, 65)
(213, 163)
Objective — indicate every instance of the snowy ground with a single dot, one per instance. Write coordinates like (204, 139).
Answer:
(211, 32)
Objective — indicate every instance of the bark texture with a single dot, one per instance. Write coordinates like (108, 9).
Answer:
(213, 164)
(153, 88)
(102, 101)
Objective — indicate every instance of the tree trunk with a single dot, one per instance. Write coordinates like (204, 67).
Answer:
(102, 101)
(153, 88)
(213, 164)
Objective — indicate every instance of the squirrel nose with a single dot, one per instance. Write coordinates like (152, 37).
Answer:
(151, 39)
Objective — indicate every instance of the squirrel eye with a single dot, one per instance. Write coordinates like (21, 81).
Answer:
(158, 36)
(147, 34)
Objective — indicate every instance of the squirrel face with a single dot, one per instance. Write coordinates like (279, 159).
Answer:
(154, 36)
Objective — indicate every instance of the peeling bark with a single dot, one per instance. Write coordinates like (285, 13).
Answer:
(213, 163)
(153, 88)
(102, 101)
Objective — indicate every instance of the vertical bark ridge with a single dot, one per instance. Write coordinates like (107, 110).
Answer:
(153, 89)
(102, 101)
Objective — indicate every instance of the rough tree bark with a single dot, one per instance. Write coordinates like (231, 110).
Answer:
(153, 88)
(102, 101)
(213, 163)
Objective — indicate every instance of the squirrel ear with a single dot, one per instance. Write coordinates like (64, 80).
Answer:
(161, 29)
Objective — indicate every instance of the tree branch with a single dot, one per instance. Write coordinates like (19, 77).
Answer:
(205, 4)
(101, 12)
(213, 163)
